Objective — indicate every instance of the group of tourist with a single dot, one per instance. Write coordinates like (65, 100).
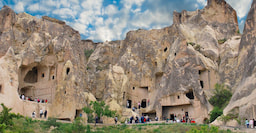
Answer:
(23, 97)
(41, 113)
(136, 119)
(250, 123)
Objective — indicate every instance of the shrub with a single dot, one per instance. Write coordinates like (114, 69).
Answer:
(215, 113)
(6, 117)
(221, 96)
(99, 108)
(88, 53)
(222, 41)
(77, 125)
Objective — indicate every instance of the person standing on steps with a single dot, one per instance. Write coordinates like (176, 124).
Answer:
(116, 120)
(41, 113)
(247, 123)
(33, 114)
(45, 113)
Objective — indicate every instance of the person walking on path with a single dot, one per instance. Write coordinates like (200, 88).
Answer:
(251, 123)
(41, 113)
(247, 123)
(45, 113)
(116, 120)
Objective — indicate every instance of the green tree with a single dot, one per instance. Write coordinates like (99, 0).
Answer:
(6, 117)
(219, 101)
(99, 108)
(77, 126)
(221, 96)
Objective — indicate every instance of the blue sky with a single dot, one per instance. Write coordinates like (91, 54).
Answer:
(101, 20)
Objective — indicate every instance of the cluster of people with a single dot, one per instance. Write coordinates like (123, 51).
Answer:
(250, 123)
(23, 97)
(136, 119)
(41, 113)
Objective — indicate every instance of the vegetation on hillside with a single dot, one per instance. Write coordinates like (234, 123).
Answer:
(98, 108)
(219, 101)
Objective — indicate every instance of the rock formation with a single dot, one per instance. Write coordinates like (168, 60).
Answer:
(169, 72)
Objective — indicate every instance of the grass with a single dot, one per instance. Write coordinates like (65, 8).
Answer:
(27, 125)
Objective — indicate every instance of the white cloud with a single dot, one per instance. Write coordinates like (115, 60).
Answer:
(1, 4)
(19, 7)
(93, 5)
(128, 3)
(202, 2)
(65, 13)
(241, 26)
(241, 6)
(36, 7)
(110, 10)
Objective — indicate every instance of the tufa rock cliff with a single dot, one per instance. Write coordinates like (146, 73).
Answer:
(169, 72)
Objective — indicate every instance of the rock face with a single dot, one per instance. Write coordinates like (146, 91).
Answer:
(166, 73)
(242, 101)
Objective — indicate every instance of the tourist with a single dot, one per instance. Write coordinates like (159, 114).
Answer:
(23, 97)
(136, 119)
(41, 113)
(46, 101)
(116, 120)
(131, 119)
(247, 123)
(142, 119)
(251, 123)
(45, 113)
(156, 118)
(148, 102)
(139, 105)
(38, 100)
(33, 114)
(254, 123)
(133, 109)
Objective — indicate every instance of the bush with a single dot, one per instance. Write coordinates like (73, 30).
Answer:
(221, 96)
(222, 41)
(88, 53)
(216, 112)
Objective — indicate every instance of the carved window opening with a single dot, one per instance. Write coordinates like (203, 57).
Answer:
(175, 54)
(133, 88)
(190, 95)
(129, 104)
(156, 63)
(143, 103)
(31, 76)
(53, 77)
(68, 70)
(165, 49)
(42, 74)
(0, 88)
(202, 83)
(199, 72)
(178, 97)
(78, 113)
(65, 92)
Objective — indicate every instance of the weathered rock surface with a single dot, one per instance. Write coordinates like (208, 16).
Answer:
(169, 72)
(242, 101)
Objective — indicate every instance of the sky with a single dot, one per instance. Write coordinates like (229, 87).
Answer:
(109, 20)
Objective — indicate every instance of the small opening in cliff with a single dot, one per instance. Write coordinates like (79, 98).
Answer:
(155, 63)
(175, 54)
(42, 74)
(53, 77)
(199, 72)
(133, 88)
(202, 83)
(190, 94)
(143, 103)
(178, 97)
(78, 113)
(165, 49)
(31, 76)
(68, 70)
(64, 119)
(65, 92)
(129, 104)
(0, 88)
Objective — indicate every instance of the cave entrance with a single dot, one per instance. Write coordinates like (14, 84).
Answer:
(28, 92)
(190, 94)
(129, 104)
(31, 76)
(172, 117)
(143, 103)
(78, 113)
